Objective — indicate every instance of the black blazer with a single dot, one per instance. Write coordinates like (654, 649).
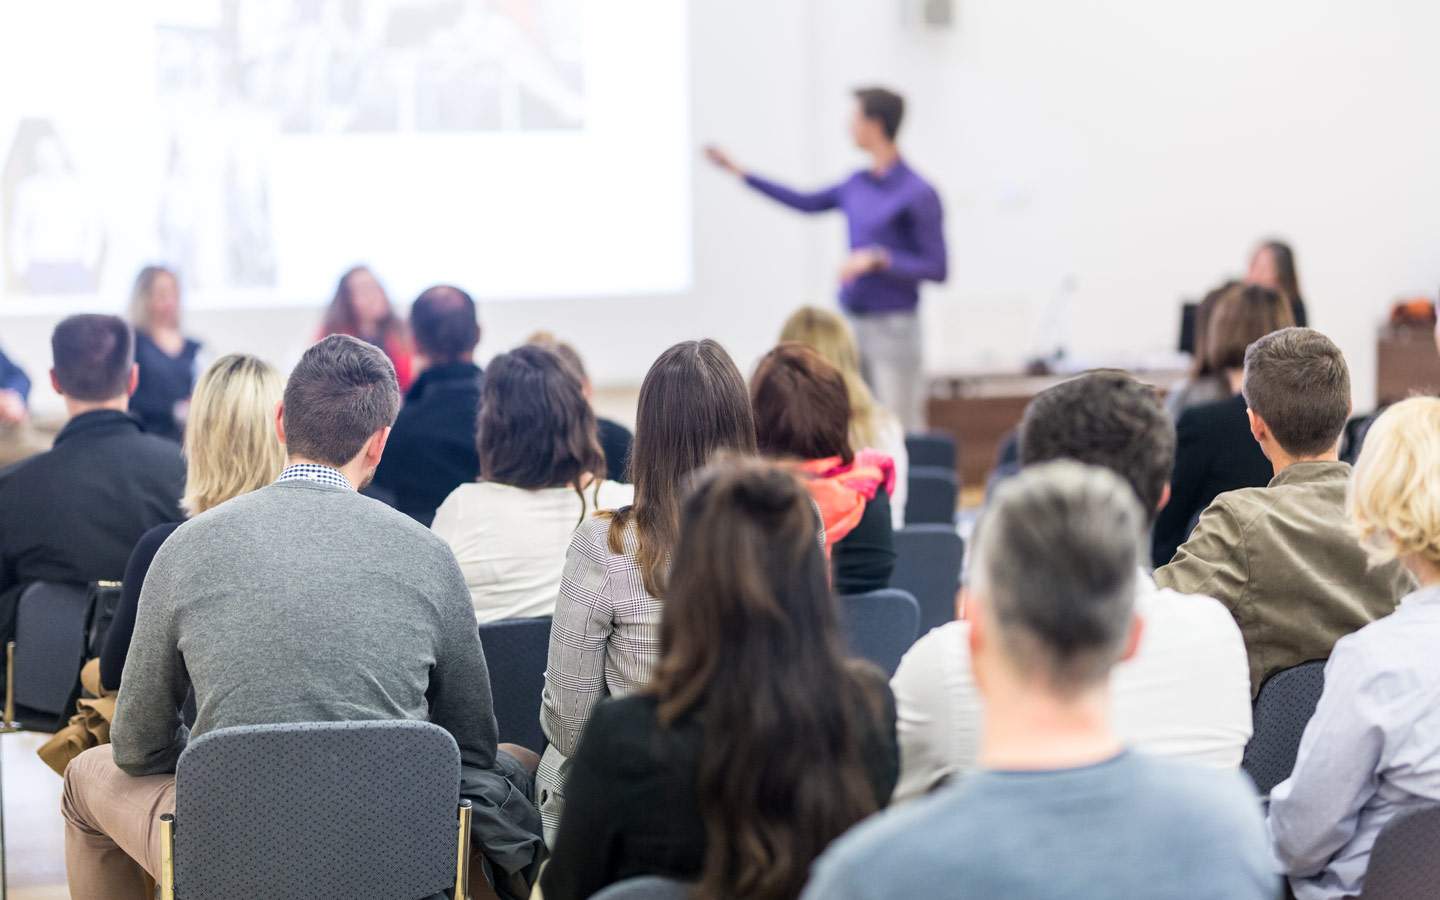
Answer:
(1214, 453)
(431, 450)
(165, 380)
(864, 559)
(74, 513)
(631, 806)
(122, 627)
(615, 440)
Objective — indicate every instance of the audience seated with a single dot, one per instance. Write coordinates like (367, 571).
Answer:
(615, 439)
(1214, 452)
(1272, 266)
(802, 413)
(541, 475)
(1060, 807)
(605, 637)
(1281, 558)
(1372, 750)
(432, 446)
(16, 441)
(1184, 694)
(756, 742)
(361, 309)
(871, 425)
(230, 449)
(73, 513)
(1207, 381)
(302, 601)
(165, 355)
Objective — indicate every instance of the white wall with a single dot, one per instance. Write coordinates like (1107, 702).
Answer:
(1136, 147)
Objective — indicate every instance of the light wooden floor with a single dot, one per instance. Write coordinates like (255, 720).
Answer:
(34, 833)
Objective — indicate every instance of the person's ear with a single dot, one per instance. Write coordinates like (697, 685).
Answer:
(1132, 642)
(1258, 429)
(280, 421)
(375, 447)
(978, 640)
(134, 379)
(55, 383)
(962, 603)
(1164, 497)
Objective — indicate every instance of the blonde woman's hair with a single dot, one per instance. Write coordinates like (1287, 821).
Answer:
(827, 333)
(1394, 497)
(140, 316)
(230, 443)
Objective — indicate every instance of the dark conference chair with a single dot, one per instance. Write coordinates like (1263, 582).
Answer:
(880, 625)
(324, 810)
(1287, 701)
(933, 493)
(1405, 861)
(650, 887)
(516, 652)
(931, 448)
(927, 565)
(52, 625)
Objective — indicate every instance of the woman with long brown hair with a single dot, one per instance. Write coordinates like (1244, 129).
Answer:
(605, 637)
(1272, 266)
(542, 473)
(756, 743)
(362, 309)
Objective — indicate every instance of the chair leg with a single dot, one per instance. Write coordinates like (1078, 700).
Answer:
(462, 854)
(9, 725)
(167, 857)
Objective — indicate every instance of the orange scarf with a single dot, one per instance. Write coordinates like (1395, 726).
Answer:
(842, 491)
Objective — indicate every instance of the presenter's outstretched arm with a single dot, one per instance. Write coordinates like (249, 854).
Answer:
(805, 201)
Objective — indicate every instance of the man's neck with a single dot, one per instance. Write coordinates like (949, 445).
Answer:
(424, 363)
(1028, 728)
(1280, 460)
(352, 471)
(884, 158)
(74, 408)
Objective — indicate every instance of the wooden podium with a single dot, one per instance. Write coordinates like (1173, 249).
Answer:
(1406, 363)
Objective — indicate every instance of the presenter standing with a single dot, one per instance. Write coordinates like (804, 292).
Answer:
(897, 240)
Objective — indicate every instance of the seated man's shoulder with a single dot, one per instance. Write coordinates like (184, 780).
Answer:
(1196, 799)
(945, 645)
(1189, 613)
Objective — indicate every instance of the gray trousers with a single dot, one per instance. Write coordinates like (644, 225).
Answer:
(890, 355)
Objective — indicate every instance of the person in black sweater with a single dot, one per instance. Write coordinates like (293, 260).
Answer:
(1215, 451)
(230, 449)
(73, 513)
(615, 439)
(167, 358)
(431, 450)
(757, 742)
(802, 413)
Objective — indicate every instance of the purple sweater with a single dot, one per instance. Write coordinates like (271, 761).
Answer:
(899, 212)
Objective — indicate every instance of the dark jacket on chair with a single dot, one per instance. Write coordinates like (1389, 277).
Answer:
(74, 513)
(1214, 453)
(431, 450)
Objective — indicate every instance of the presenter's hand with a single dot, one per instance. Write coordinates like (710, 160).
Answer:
(722, 159)
(862, 262)
(12, 408)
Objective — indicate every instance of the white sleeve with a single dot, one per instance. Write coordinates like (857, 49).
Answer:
(937, 711)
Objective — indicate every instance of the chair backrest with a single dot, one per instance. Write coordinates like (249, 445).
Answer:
(880, 625)
(516, 651)
(649, 887)
(51, 625)
(931, 448)
(927, 566)
(1405, 861)
(318, 810)
(1287, 701)
(932, 495)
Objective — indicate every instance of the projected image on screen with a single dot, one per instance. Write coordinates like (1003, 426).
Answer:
(521, 148)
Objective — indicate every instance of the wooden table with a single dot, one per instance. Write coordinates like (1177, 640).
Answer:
(1406, 363)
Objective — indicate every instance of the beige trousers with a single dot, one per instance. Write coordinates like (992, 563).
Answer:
(112, 828)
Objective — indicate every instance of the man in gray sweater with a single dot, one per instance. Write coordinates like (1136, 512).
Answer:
(300, 602)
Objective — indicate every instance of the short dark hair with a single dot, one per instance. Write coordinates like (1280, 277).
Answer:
(342, 391)
(1297, 381)
(536, 430)
(93, 357)
(884, 106)
(1106, 419)
(801, 404)
(444, 324)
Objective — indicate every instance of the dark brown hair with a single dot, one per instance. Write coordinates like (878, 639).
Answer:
(444, 323)
(750, 643)
(692, 405)
(567, 353)
(884, 106)
(1200, 366)
(1242, 315)
(801, 404)
(1297, 381)
(93, 356)
(342, 391)
(340, 314)
(1285, 271)
(535, 428)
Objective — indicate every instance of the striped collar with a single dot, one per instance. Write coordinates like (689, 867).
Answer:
(317, 473)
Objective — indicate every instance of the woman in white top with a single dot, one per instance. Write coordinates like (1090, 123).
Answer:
(542, 473)
(871, 425)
